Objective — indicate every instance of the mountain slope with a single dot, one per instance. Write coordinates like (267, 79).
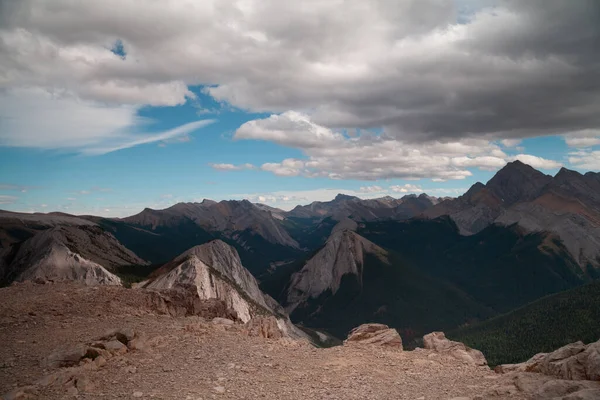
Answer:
(351, 281)
(567, 205)
(214, 271)
(225, 217)
(257, 234)
(81, 253)
(344, 206)
(500, 267)
(541, 326)
(16, 227)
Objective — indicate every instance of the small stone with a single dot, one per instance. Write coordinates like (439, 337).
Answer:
(219, 389)
(222, 321)
(100, 361)
(115, 346)
(138, 394)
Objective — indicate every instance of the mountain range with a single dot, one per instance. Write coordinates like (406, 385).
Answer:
(417, 263)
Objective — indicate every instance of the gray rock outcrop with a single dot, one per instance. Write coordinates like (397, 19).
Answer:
(375, 334)
(343, 253)
(575, 361)
(70, 253)
(438, 342)
(214, 271)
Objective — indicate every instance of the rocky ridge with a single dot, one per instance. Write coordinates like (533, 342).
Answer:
(343, 254)
(81, 253)
(215, 271)
(225, 217)
(567, 205)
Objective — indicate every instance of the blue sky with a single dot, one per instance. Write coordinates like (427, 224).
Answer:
(116, 121)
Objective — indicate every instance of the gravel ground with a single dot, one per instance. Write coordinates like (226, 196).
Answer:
(193, 358)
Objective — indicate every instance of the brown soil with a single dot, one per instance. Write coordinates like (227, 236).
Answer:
(193, 358)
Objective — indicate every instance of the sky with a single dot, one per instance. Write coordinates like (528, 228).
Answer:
(108, 107)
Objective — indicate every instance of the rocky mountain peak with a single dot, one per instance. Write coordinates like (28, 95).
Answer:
(343, 253)
(345, 197)
(565, 174)
(517, 182)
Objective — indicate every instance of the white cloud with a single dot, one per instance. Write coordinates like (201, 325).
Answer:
(288, 167)
(291, 129)
(509, 143)
(371, 189)
(583, 138)
(5, 199)
(407, 188)
(36, 118)
(232, 167)
(370, 156)
(585, 159)
(536, 162)
(406, 66)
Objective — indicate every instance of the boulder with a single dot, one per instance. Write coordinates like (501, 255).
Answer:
(438, 342)
(375, 334)
(66, 357)
(575, 361)
(530, 365)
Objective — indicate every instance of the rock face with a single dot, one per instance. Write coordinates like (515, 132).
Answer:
(438, 342)
(567, 205)
(575, 361)
(375, 334)
(16, 227)
(84, 254)
(214, 271)
(225, 217)
(343, 254)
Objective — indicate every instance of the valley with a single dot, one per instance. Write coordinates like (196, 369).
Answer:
(494, 268)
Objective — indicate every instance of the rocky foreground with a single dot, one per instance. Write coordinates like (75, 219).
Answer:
(70, 341)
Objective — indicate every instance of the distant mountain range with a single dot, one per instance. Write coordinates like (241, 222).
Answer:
(416, 263)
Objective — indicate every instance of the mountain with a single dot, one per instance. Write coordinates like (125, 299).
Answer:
(214, 271)
(567, 205)
(81, 253)
(225, 217)
(344, 206)
(500, 267)
(351, 281)
(159, 235)
(541, 326)
(16, 227)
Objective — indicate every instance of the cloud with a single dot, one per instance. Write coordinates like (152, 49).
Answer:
(231, 167)
(407, 188)
(420, 70)
(536, 162)
(69, 123)
(288, 167)
(19, 188)
(367, 155)
(291, 129)
(5, 199)
(585, 159)
(583, 138)
(510, 142)
(371, 189)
